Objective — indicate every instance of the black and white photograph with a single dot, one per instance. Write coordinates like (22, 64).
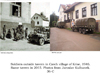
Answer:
(24, 26)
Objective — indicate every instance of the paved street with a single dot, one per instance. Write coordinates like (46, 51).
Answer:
(22, 45)
(65, 40)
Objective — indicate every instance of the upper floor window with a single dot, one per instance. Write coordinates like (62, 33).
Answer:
(77, 14)
(94, 9)
(16, 9)
(84, 12)
(36, 17)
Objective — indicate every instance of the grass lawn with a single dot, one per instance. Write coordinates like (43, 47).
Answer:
(68, 28)
(96, 32)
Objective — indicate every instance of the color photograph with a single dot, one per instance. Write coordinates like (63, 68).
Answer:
(76, 27)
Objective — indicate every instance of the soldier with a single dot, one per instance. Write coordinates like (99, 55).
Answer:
(4, 32)
(14, 33)
(22, 31)
(26, 32)
(9, 34)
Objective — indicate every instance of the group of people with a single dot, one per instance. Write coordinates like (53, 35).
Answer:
(18, 33)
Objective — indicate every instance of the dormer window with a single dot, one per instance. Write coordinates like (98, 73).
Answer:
(36, 17)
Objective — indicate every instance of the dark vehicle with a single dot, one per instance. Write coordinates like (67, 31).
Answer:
(40, 35)
(84, 25)
(60, 24)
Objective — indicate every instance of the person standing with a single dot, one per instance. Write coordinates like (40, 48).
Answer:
(4, 32)
(14, 33)
(26, 32)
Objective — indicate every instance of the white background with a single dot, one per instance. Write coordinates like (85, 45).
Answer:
(93, 57)
(48, 57)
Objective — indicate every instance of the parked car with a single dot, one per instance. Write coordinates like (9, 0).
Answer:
(40, 35)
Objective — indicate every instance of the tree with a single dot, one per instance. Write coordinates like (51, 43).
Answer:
(54, 23)
(53, 17)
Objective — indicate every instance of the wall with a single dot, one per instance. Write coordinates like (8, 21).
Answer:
(26, 12)
(61, 16)
(88, 11)
(39, 19)
(13, 21)
(67, 25)
(45, 23)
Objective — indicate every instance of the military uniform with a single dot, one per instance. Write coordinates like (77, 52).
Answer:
(4, 32)
(26, 32)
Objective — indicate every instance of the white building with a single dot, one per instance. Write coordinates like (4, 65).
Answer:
(39, 20)
(37, 7)
(11, 13)
(62, 15)
(81, 10)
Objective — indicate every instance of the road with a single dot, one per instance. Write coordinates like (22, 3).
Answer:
(65, 40)
(22, 45)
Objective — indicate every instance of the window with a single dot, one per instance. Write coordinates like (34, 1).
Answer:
(84, 12)
(67, 16)
(36, 17)
(60, 13)
(77, 14)
(37, 22)
(16, 9)
(94, 9)
(71, 15)
(64, 17)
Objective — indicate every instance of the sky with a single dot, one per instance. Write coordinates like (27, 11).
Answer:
(47, 7)
(38, 7)
(54, 6)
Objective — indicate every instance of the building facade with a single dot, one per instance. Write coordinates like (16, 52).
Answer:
(88, 10)
(70, 14)
(39, 20)
(62, 15)
(12, 13)
(81, 10)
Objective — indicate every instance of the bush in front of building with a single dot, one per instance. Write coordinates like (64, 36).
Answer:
(54, 23)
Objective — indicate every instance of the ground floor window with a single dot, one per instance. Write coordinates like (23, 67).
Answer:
(37, 22)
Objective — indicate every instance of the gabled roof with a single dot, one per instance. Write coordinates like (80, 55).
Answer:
(71, 8)
(42, 16)
(63, 6)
